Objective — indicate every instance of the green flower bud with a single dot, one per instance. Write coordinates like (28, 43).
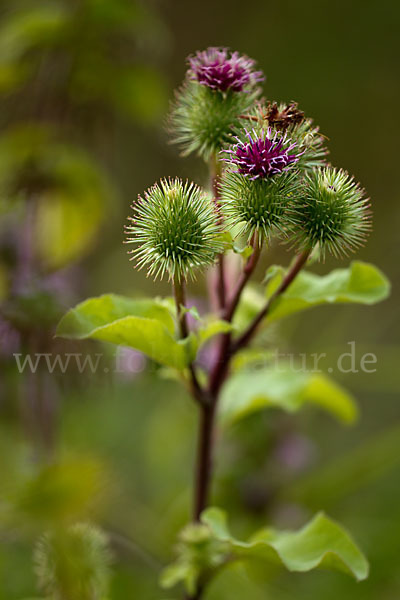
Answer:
(332, 213)
(175, 227)
(73, 563)
(258, 206)
(202, 119)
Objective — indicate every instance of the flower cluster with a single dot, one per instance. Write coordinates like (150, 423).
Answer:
(274, 176)
(220, 70)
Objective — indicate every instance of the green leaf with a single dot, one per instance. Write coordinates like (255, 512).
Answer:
(211, 329)
(146, 325)
(320, 543)
(360, 283)
(283, 387)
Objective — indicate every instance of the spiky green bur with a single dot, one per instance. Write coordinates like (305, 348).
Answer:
(258, 206)
(332, 213)
(175, 229)
(73, 564)
(202, 120)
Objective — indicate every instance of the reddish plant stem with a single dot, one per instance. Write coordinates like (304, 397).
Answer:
(206, 421)
(243, 279)
(208, 409)
(180, 303)
(220, 369)
(221, 287)
(246, 336)
(218, 374)
(215, 170)
(204, 458)
(228, 349)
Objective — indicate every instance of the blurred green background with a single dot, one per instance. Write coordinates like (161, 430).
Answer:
(84, 93)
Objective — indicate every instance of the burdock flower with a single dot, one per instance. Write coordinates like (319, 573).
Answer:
(262, 156)
(218, 89)
(332, 213)
(260, 183)
(176, 230)
(288, 119)
(220, 70)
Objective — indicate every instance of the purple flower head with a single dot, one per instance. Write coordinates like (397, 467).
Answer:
(264, 156)
(220, 70)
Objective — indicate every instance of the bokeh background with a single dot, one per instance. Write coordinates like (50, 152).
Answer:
(84, 93)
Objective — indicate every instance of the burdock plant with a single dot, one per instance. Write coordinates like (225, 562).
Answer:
(269, 181)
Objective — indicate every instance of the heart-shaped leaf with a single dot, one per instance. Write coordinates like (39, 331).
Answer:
(146, 325)
(320, 543)
(283, 387)
(360, 283)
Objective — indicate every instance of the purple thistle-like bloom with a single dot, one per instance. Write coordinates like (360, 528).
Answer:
(264, 156)
(220, 70)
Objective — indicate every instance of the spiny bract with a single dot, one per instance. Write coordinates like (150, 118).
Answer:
(259, 206)
(202, 120)
(175, 227)
(332, 213)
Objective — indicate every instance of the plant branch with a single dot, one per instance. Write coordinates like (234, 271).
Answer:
(215, 171)
(217, 377)
(292, 273)
(206, 428)
(221, 366)
(204, 458)
(244, 278)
